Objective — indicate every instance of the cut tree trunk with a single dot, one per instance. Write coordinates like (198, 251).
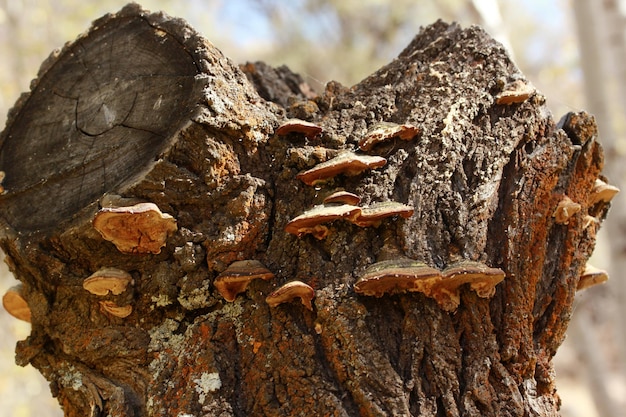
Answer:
(142, 113)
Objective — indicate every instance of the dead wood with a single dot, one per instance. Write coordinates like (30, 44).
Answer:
(141, 109)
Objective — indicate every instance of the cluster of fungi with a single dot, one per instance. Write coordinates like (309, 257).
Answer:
(389, 276)
(143, 228)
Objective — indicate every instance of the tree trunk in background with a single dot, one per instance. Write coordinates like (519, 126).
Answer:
(615, 16)
(141, 109)
(598, 32)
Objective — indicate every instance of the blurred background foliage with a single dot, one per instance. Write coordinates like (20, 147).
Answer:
(573, 51)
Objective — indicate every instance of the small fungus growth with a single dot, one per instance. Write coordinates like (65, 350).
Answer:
(141, 228)
(15, 304)
(397, 276)
(107, 280)
(592, 276)
(291, 291)
(385, 131)
(346, 163)
(565, 210)
(235, 279)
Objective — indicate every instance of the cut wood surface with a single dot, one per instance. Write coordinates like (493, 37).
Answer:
(141, 111)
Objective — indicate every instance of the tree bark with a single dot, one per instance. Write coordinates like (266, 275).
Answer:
(141, 109)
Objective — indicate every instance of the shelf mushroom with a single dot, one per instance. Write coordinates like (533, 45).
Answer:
(235, 279)
(342, 197)
(113, 309)
(565, 210)
(375, 213)
(385, 131)
(141, 228)
(291, 291)
(397, 276)
(592, 276)
(308, 129)
(602, 192)
(15, 304)
(516, 92)
(481, 278)
(107, 280)
(347, 163)
(312, 221)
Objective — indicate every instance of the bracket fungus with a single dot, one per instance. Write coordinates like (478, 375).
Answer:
(235, 279)
(592, 276)
(113, 309)
(308, 129)
(385, 131)
(397, 276)
(347, 163)
(141, 228)
(589, 220)
(516, 92)
(15, 304)
(565, 210)
(107, 280)
(482, 279)
(312, 221)
(342, 197)
(291, 291)
(602, 192)
(375, 213)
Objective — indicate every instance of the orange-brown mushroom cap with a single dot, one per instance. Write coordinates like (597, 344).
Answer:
(397, 276)
(516, 92)
(141, 228)
(482, 279)
(235, 279)
(113, 309)
(15, 304)
(592, 276)
(347, 163)
(107, 279)
(385, 131)
(312, 220)
(291, 291)
(375, 213)
(308, 129)
(342, 197)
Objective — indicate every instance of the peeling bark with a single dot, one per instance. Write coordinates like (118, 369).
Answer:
(142, 109)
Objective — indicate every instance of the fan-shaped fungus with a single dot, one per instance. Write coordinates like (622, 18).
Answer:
(482, 279)
(290, 291)
(516, 92)
(592, 276)
(565, 210)
(375, 213)
(107, 279)
(113, 309)
(385, 131)
(397, 276)
(342, 197)
(15, 304)
(235, 279)
(602, 192)
(141, 228)
(312, 221)
(308, 129)
(347, 163)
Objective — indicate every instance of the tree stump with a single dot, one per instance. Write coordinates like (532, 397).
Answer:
(143, 165)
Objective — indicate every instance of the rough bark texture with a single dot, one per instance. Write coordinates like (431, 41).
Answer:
(143, 108)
